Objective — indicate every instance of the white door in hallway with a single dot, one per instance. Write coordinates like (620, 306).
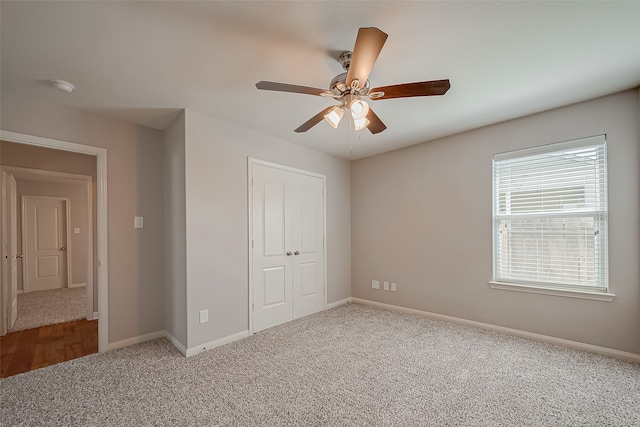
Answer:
(288, 266)
(44, 243)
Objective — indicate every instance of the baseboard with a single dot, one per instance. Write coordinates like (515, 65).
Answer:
(337, 303)
(187, 352)
(77, 285)
(177, 344)
(192, 351)
(136, 340)
(622, 355)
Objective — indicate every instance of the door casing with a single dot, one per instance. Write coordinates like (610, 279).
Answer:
(13, 252)
(102, 243)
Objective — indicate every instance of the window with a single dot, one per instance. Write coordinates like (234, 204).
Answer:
(550, 216)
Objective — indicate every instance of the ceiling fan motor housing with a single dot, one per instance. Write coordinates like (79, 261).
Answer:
(340, 87)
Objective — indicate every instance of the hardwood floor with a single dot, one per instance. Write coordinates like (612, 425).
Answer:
(31, 349)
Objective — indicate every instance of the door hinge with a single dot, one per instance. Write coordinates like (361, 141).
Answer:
(253, 306)
(252, 244)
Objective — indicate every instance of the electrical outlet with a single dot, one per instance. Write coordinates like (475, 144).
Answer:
(386, 286)
(375, 284)
(204, 316)
(393, 287)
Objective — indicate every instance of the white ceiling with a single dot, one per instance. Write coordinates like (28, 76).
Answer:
(142, 61)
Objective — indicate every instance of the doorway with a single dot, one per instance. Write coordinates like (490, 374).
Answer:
(287, 244)
(101, 243)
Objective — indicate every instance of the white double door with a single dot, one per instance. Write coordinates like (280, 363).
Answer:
(288, 257)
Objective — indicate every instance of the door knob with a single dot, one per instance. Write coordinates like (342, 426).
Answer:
(289, 253)
(296, 253)
(63, 248)
(19, 256)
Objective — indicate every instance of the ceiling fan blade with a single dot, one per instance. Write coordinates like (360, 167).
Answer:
(284, 87)
(365, 53)
(314, 120)
(375, 125)
(434, 87)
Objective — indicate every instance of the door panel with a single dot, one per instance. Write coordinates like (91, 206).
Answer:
(310, 195)
(275, 285)
(45, 248)
(274, 219)
(309, 279)
(47, 266)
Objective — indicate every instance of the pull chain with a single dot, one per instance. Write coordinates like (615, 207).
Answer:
(350, 135)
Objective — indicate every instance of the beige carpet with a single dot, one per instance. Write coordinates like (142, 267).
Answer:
(42, 308)
(350, 366)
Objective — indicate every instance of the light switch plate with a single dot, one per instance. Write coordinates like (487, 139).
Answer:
(386, 286)
(76, 230)
(375, 284)
(204, 316)
(393, 287)
(138, 222)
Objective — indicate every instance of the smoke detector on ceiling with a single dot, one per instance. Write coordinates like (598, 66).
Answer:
(63, 86)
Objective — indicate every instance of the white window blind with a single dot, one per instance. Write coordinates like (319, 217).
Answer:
(550, 216)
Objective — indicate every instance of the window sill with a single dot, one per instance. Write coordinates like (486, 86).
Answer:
(597, 296)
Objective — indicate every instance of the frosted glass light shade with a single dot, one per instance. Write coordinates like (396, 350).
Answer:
(359, 109)
(334, 116)
(361, 123)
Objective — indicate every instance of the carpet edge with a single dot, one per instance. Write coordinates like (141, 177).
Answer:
(617, 354)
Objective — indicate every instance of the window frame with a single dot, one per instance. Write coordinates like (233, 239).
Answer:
(601, 293)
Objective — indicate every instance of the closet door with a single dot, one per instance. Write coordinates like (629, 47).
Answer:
(287, 245)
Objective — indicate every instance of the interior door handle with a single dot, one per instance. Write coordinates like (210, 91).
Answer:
(296, 253)
(63, 248)
(19, 256)
(289, 253)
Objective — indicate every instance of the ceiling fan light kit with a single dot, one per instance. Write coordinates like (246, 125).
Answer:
(361, 123)
(334, 116)
(349, 88)
(359, 108)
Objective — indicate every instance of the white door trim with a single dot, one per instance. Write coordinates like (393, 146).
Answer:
(101, 195)
(4, 235)
(251, 161)
(67, 237)
(72, 179)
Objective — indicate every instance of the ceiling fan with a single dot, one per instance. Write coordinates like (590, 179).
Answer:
(351, 87)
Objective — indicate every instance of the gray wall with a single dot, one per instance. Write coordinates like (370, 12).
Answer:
(421, 217)
(134, 187)
(217, 220)
(175, 228)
